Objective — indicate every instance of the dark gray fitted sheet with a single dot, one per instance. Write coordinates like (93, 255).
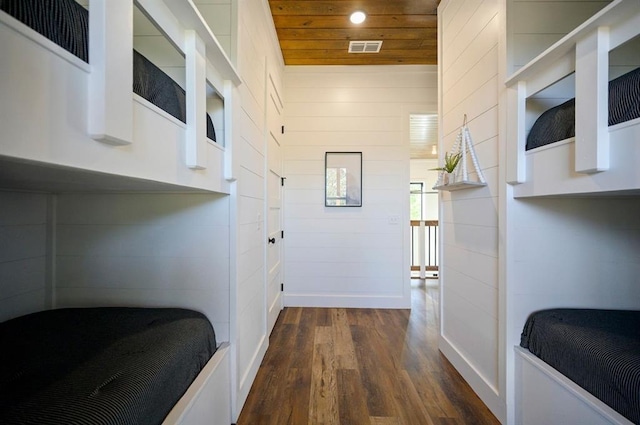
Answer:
(100, 365)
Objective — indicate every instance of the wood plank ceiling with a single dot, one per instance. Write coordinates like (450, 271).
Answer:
(317, 32)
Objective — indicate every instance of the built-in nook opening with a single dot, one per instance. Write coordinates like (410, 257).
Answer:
(159, 70)
(559, 93)
(215, 109)
(624, 58)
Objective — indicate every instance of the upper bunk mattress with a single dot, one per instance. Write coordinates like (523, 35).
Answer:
(597, 349)
(558, 123)
(100, 365)
(65, 22)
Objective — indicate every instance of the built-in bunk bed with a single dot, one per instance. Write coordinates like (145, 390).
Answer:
(584, 144)
(576, 365)
(98, 116)
(99, 106)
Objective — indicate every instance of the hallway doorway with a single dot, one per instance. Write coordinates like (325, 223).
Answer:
(423, 204)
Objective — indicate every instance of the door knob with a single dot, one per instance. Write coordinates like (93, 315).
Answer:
(272, 240)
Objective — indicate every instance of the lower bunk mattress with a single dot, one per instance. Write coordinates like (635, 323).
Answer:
(597, 349)
(100, 365)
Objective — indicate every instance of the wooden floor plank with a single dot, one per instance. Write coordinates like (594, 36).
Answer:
(292, 408)
(376, 420)
(323, 403)
(344, 349)
(409, 405)
(351, 398)
(374, 368)
(302, 350)
(361, 366)
(291, 315)
(323, 317)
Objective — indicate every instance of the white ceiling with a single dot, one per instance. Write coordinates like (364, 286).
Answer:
(423, 136)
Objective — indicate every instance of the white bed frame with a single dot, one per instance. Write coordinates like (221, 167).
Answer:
(545, 396)
(58, 112)
(600, 158)
(208, 399)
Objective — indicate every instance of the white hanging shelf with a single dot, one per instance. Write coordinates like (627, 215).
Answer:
(465, 184)
(461, 180)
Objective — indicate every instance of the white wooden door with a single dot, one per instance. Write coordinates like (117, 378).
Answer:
(274, 206)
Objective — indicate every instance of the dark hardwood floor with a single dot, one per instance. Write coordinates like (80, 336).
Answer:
(361, 366)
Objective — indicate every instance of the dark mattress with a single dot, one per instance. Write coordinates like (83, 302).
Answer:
(597, 349)
(66, 23)
(558, 123)
(100, 365)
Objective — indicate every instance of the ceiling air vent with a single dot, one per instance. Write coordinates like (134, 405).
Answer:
(365, 46)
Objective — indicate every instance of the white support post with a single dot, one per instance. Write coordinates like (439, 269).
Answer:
(196, 103)
(592, 102)
(110, 111)
(227, 136)
(422, 250)
(516, 137)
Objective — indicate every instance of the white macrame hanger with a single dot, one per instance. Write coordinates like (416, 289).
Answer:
(464, 145)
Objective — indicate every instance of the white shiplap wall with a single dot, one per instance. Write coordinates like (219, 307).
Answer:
(167, 250)
(23, 251)
(469, 73)
(352, 257)
(534, 25)
(220, 15)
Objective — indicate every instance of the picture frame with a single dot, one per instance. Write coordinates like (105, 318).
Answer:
(343, 179)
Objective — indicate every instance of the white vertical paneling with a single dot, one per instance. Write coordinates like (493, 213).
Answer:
(257, 51)
(23, 223)
(332, 253)
(145, 250)
(469, 219)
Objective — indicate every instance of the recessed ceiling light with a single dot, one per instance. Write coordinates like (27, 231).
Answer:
(358, 17)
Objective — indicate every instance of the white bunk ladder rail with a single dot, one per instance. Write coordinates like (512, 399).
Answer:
(110, 109)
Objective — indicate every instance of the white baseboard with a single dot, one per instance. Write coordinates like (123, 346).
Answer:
(487, 393)
(347, 301)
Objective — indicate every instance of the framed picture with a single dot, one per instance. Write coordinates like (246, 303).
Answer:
(343, 179)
